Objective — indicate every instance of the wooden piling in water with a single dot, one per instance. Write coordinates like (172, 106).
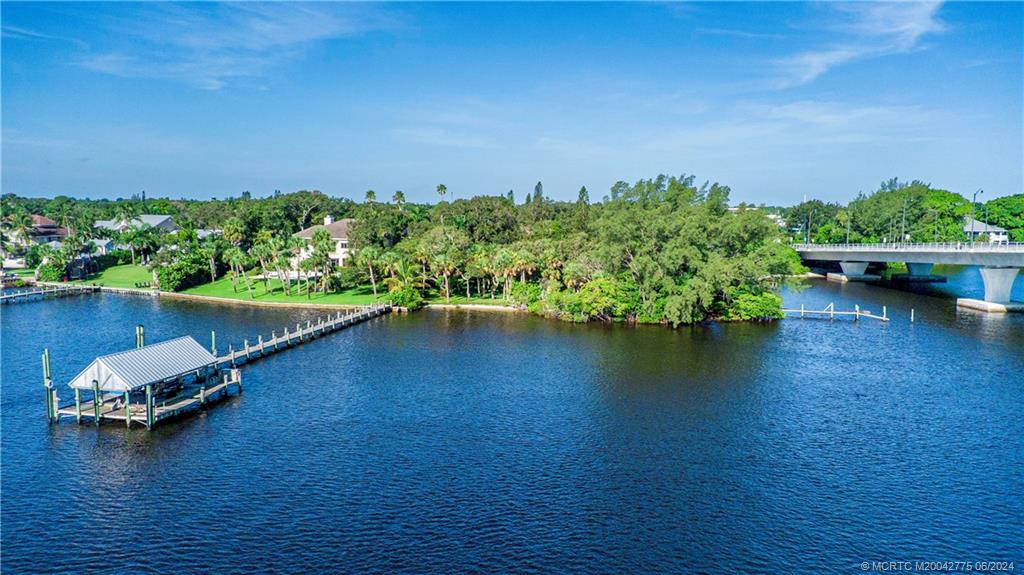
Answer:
(96, 402)
(149, 407)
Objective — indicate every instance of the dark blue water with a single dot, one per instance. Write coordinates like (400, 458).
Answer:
(451, 442)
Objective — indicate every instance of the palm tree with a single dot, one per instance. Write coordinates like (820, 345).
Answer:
(441, 191)
(264, 252)
(371, 196)
(399, 199)
(234, 231)
(370, 257)
(406, 275)
(138, 238)
(210, 248)
(442, 264)
(323, 245)
(21, 226)
(237, 260)
(126, 212)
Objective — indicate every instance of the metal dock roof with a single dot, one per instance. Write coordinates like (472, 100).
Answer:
(135, 368)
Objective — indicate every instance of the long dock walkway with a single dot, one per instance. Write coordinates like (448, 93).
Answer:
(249, 351)
(45, 292)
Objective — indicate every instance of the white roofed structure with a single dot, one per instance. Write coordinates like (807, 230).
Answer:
(136, 368)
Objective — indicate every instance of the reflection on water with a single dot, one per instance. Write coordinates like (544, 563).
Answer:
(467, 442)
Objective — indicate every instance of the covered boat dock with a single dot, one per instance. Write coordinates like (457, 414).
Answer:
(146, 384)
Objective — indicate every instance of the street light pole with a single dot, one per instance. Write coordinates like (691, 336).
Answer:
(974, 201)
(903, 225)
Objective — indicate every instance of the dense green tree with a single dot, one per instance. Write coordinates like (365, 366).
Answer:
(1007, 212)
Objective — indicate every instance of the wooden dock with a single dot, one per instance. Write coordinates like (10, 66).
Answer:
(203, 384)
(46, 292)
(264, 346)
(831, 313)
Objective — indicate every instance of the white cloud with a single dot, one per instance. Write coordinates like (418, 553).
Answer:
(871, 30)
(208, 46)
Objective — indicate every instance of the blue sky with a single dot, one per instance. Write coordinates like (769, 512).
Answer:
(776, 100)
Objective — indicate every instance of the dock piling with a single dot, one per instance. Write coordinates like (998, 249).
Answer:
(149, 407)
(51, 407)
(213, 342)
(96, 402)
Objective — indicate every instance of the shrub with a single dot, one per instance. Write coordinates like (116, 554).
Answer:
(190, 269)
(407, 297)
(50, 272)
(764, 306)
(525, 294)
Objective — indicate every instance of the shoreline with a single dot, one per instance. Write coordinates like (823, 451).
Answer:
(213, 299)
(297, 305)
(474, 307)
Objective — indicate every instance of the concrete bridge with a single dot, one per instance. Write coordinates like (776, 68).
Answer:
(999, 263)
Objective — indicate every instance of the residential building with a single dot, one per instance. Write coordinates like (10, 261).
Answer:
(159, 222)
(339, 231)
(976, 229)
(44, 230)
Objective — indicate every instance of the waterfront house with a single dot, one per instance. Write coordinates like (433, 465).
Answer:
(44, 230)
(339, 231)
(976, 229)
(159, 222)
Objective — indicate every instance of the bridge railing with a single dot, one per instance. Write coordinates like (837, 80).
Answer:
(976, 247)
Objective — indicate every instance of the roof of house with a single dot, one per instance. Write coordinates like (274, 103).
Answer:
(981, 227)
(136, 368)
(42, 221)
(151, 220)
(339, 229)
(44, 226)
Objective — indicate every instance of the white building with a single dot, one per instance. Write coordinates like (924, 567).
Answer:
(339, 231)
(974, 229)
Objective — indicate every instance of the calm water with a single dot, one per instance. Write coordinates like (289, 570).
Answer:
(486, 442)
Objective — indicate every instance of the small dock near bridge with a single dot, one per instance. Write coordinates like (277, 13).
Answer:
(153, 383)
(831, 313)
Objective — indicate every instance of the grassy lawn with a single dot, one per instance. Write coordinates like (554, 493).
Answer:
(125, 276)
(362, 295)
(463, 300)
(23, 273)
